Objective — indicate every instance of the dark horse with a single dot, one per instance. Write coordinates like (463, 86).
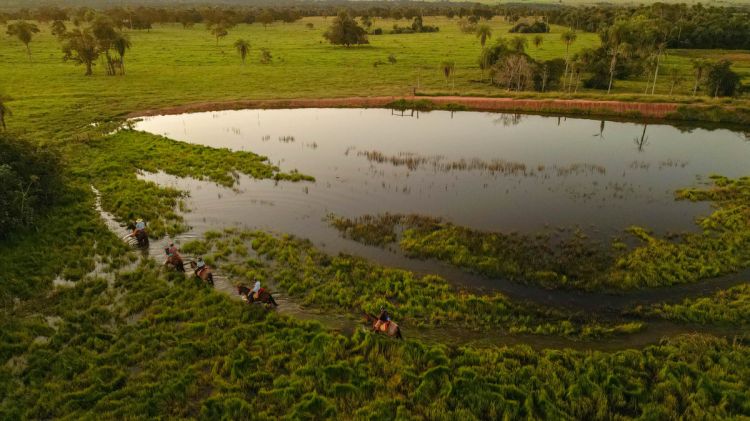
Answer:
(141, 238)
(204, 274)
(264, 296)
(176, 262)
(391, 328)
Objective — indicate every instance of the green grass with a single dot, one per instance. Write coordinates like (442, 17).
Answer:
(570, 260)
(142, 344)
(171, 66)
(347, 284)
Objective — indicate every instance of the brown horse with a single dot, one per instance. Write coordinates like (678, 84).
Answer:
(391, 328)
(174, 261)
(263, 296)
(141, 237)
(205, 274)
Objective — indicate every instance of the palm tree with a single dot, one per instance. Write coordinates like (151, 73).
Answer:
(538, 40)
(617, 51)
(449, 69)
(518, 44)
(568, 37)
(4, 112)
(699, 65)
(81, 47)
(243, 47)
(121, 44)
(24, 31)
(484, 33)
(219, 31)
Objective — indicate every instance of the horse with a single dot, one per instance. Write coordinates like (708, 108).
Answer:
(175, 262)
(391, 329)
(141, 237)
(205, 274)
(264, 296)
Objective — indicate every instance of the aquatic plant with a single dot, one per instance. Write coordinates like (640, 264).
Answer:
(571, 260)
(111, 164)
(730, 306)
(350, 284)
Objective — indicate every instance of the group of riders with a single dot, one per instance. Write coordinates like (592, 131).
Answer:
(381, 323)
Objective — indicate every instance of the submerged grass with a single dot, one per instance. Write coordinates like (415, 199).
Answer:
(729, 307)
(146, 346)
(573, 261)
(111, 164)
(351, 284)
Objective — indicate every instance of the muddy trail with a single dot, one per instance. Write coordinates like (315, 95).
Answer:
(654, 331)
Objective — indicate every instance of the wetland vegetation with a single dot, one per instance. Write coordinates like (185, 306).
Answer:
(571, 260)
(90, 328)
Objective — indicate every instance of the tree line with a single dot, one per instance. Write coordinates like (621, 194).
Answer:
(695, 26)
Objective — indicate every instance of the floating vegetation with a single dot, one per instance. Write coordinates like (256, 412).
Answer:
(286, 139)
(349, 284)
(556, 259)
(112, 163)
(439, 163)
(573, 261)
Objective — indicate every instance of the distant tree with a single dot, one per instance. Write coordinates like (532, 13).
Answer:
(4, 112)
(518, 44)
(265, 56)
(449, 71)
(266, 18)
(242, 47)
(218, 30)
(105, 34)
(24, 31)
(366, 21)
(81, 47)
(675, 77)
(538, 40)
(616, 52)
(121, 45)
(484, 32)
(721, 80)
(58, 28)
(568, 37)
(345, 31)
(699, 68)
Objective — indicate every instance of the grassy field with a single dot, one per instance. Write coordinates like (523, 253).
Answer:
(170, 65)
(133, 342)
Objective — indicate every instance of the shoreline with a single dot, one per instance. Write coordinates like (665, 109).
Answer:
(657, 111)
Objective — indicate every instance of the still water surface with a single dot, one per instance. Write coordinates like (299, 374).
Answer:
(489, 171)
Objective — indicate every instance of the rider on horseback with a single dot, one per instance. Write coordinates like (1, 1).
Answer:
(140, 225)
(171, 250)
(256, 290)
(200, 265)
(384, 318)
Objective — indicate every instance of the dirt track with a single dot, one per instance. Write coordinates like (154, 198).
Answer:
(563, 106)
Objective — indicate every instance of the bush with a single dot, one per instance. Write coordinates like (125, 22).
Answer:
(29, 181)
(537, 27)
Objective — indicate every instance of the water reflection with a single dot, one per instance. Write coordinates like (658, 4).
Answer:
(503, 172)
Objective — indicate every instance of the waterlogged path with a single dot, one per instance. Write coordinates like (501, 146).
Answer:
(654, 331)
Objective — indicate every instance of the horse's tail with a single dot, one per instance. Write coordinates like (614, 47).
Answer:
(270, 298)
(210, 278)
(398, 333)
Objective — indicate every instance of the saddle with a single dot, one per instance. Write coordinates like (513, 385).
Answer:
(257, 294)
